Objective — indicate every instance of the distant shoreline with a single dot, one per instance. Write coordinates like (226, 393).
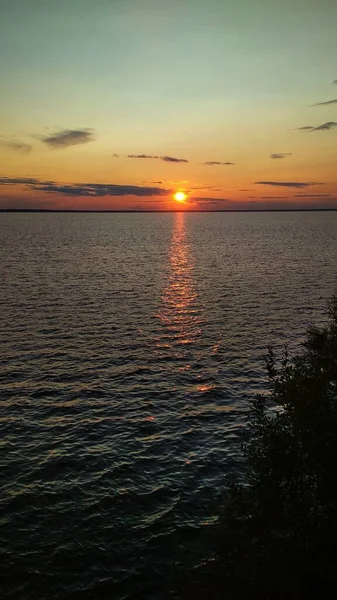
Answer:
(247, 210)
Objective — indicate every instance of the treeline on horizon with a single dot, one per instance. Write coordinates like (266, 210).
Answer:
(276, 538)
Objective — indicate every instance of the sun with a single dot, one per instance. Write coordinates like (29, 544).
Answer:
(180, 196)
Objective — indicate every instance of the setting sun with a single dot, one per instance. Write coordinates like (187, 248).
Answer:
(180, 196)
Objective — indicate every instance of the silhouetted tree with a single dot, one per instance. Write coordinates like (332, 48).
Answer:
(277, 533)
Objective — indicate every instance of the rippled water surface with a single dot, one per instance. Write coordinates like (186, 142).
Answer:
(130, 344)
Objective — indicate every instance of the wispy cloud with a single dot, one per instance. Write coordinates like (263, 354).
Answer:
(68, 137)
(198, 199)
(325, 103)
(312, 195)
(205, 187)
(271, 197)
(19, 147)
(142, 156)
(84, 189)
(211, 163)
(323, 127)
(171, 159)
(279, 155)
(20, 181)
(210, 203)
(290, 184)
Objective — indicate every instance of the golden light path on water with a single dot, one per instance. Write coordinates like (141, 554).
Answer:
(182, 313)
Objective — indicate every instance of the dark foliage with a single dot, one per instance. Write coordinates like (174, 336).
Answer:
(277, 534)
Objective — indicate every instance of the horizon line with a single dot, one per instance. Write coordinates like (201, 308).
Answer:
(231, 210)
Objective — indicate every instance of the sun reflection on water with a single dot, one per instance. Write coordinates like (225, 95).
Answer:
(181, 311)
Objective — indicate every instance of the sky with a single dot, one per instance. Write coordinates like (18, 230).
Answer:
(119, 104)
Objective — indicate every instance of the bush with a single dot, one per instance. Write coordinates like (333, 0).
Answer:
(277, 533)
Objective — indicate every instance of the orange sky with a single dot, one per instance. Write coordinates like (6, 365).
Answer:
(144, 99)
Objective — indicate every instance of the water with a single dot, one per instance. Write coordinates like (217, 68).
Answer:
(131, 344)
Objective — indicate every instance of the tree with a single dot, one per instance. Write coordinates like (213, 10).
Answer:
(277, 533)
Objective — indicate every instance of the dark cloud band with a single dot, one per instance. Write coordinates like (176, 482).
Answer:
(289, 184)
(93, 190)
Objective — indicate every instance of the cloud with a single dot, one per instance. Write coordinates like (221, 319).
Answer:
(217, 162)
(207, 200)
(325, 103)
(291, 184)
(292, 196)
(115, 155)
(334, 81)
(171, 159)
(20, 181)
(323, 127)
(210, 203)
(84, 189)
(312, 195)
(142, 156)
(101, 189)
(281, 155)
(68, 137)
(19, 147)
(205, 187)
